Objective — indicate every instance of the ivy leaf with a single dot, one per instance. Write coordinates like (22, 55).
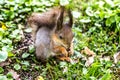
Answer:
(7, 48)
(13, 74)
(85, 20)
(89, 11)
(64, 2)
(25, 55)
(110, 2)
(84, 71)
(3, 55)
(31, 48)
(25, 63)
(17, 66)
(63, 64)
(7, 41)
(28, 30)
(110, 20)
(3, 77)
(76, 14)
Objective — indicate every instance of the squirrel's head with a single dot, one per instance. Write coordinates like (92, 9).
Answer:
(63, 31)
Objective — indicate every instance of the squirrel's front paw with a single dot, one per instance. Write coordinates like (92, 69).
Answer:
(64, 59)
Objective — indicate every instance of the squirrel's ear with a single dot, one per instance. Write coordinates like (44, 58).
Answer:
(59, 23)
(70, 23)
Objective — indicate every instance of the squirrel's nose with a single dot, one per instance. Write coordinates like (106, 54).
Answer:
(68, 49)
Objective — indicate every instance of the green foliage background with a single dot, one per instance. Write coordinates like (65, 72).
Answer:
(96, 25)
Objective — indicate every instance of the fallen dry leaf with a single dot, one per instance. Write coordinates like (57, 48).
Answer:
(14, 74)
(91, 55)
(89, 61)
(65, 70)
(106, 58)
(88, 51)
(4, 63)
(22, 34)
(116, 57)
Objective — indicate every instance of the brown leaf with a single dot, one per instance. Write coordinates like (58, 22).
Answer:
(65, 70)
(106, 58)
(4, 63)
(91, 55)
(14, 74)
(116, 57)
(89, 61)
(88, 51)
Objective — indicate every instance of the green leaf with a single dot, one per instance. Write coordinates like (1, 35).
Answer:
(25, 63)
(85, 20)
(117, 18)
(1, 30)
(28, 30)
(37, 67)
(106, 76)
(10, 54)
(1, 70)
(110, 2)
(24, 67)
(7, 41)
(3, 78)
(118, 27)
(64, 2)
(84, 71)
(3, 55)
(15, 33)
(31, 48)
(25, 55)
(89, 11)
(7, 48)
(17, 66)
(110, 20)
(76, 14)
(63, 64)
(9, 75)
(102, 14)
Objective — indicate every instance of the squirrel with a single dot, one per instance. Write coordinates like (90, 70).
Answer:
(51, 35)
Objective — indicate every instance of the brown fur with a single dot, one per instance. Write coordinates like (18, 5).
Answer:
(47, 19)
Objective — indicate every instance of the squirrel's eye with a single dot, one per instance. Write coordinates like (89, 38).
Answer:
(60, 37)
